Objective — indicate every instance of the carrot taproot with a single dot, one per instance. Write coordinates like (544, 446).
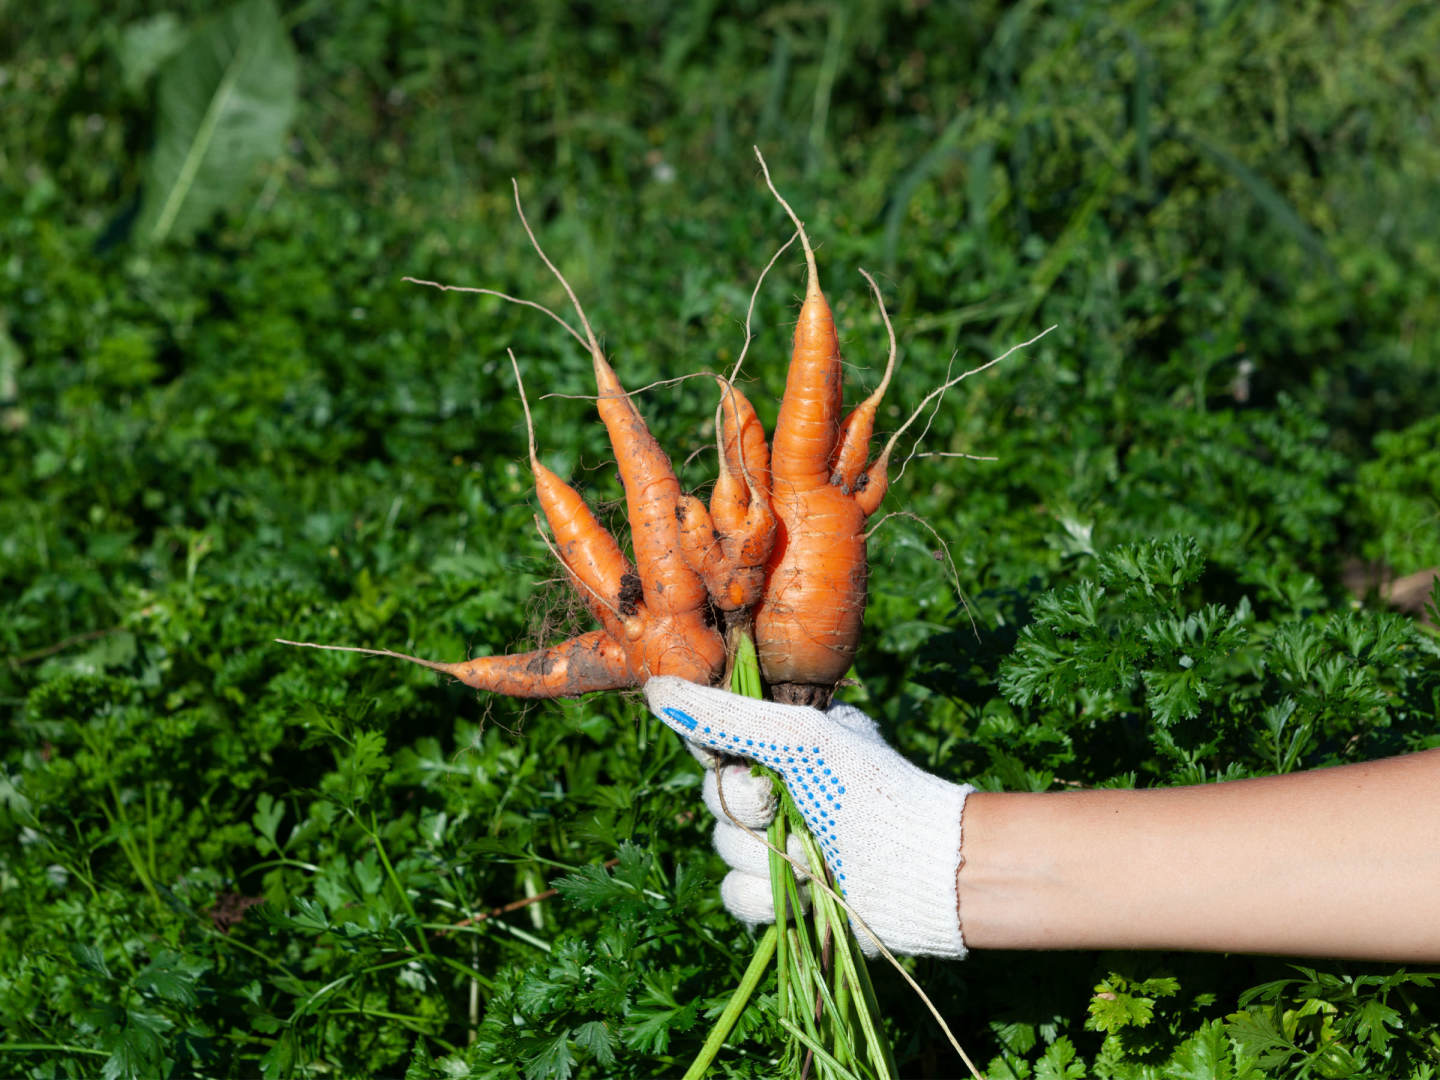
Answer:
(740, 502)
(807, 625)
(581, 665)
(674, 635)
(654, 615)
(730, 543)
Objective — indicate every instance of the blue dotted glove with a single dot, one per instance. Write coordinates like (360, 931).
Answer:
(890, 832)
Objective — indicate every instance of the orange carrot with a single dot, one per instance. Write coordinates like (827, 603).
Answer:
(729, 544)
(807, 626)
(740, 502)
(672, 634)
(592, 661)
(654, 616)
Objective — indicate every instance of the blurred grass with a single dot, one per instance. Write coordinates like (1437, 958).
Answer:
(1229, 210)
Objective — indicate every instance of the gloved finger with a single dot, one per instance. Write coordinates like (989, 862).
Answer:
(867, 943)
(703, 754)
(742, 851)
(853, 719)
(733, 724)
(750, 798)
(748, 898)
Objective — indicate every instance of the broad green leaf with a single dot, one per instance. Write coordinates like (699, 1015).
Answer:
(225, 101)
(266, 819)
(171, 977)
(1207, 1055)
(1110, 1011)
(598, 1039)
(145, 44)
(1372, 1019)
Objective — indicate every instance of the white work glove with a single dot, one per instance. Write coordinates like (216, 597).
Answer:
(890, 832)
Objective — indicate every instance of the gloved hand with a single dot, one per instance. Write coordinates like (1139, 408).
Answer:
(890, 832)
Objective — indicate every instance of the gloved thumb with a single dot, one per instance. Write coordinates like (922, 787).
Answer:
(745, 727)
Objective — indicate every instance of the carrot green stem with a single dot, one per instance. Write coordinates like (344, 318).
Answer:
(764, 951)
(779, 872)
(846, 1019)
(821, 1054)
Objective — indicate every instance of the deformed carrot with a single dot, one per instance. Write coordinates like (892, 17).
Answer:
(673, 634)
(654, 615)
(807, 626)
(589, 662)
(729, 544)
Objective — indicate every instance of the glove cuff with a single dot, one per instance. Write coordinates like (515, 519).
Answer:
(923, 836)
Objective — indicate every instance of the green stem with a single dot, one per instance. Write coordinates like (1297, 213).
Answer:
(764, 950)
(821, 1054)
(867, 1005)
(779, 874)
(845, 995)
(16, 1048)
(399, 888)
(124, 836)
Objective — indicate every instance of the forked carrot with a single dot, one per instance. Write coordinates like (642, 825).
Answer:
(807, 626)
(673, 634)
(730, 543)
(654, 615)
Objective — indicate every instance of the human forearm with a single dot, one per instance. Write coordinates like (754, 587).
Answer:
(1335, 862)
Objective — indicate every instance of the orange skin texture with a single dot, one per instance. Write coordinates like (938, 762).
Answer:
(663, 629)
(741, 433)
(855, 432)
(592, 661)
(729, 544)
(652, 614)
(651, 495)
(588, 550)
(807, 626)
(652, 643)
(809, 420)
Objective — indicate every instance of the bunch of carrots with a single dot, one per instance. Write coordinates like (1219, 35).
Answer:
(779, 552)
(777, 561)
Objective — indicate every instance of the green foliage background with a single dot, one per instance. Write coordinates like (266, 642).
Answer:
(225, 858)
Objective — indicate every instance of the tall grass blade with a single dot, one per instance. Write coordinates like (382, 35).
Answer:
(1271, 201)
